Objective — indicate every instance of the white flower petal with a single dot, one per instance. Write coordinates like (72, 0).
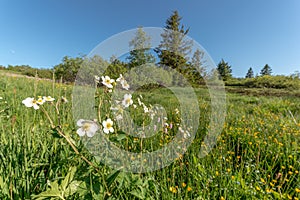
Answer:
(35, 106)
(80, 122)
(90, 133)
(106, 130)
(111, 129)
(94, 127)
(80, 132)
(28, 102)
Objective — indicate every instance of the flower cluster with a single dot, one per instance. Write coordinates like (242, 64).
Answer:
(88, 127)
(35, 103)
(109, 82)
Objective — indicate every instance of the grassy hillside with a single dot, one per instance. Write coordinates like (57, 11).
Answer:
(257, 155)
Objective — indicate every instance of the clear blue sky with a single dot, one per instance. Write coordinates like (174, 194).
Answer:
(244, 33)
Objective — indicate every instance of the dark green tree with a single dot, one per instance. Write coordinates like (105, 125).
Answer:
(140, 49)
(250, 73)
(116, 67)
(266, 70)
(67, 70)
(224, 70)
(175, 46)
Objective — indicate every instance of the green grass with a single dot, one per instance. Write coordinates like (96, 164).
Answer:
(257, 155)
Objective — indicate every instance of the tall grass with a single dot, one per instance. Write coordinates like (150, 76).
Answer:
(256, 156)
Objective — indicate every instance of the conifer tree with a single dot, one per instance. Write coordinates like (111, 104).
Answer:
(174, 48)
(266, 70)
(224, 70)
(140, 49)
(250, 73)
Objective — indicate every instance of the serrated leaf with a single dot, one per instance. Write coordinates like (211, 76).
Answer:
(53, 192)
(72, 188)
(68, 179)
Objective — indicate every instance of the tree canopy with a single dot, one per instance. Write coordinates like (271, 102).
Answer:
(224, 70)
(266, 70)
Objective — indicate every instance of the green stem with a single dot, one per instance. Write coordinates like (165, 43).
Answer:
(60, 132)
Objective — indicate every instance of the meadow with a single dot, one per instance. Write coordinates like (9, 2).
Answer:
(257, 155)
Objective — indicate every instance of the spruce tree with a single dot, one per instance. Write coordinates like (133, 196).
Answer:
(140, 49)
(224, 70)
(266, 70)
(174, 48)
(250, 73)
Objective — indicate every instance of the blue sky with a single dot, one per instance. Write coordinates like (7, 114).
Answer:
(244, 33)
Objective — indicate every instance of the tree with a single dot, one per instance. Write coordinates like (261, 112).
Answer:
(115, 68)
(250, 73)
(266, 70)
(140, 49)
(174, 47)
(195, 71)
(197, 62)
(224, 70)
(67, 70)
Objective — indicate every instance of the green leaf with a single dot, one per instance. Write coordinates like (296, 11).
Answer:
(110, 179)
(68, 179)
(121, 137)
(137, 193)
(53, 192)
(55, 133)
(73, 188)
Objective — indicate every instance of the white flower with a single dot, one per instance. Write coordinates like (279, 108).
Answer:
(48, 98)
(125, 85)
(121, 78)
(117, 108)
(1, 98)
(87, 127)
(97, 79)
(64, 99)
(31, 102)
(108, 126)
(107, 81)
(127, 101)
(40, 100)
(119, 117)
(123, 82)
(186, 135)
(146, 110)
(139, 101)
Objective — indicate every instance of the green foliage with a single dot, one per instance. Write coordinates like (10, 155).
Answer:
(266, 70)
(257, 145)
(195, 71)
(91, 67)
(140, 46)
(66, 189)
(29, 71)
(149, 76)
(115, 68)
(67, 70)
(174, 47)
(224, 70)
(277, 82)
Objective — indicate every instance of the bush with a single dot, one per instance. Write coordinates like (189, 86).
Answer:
(277, 82)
